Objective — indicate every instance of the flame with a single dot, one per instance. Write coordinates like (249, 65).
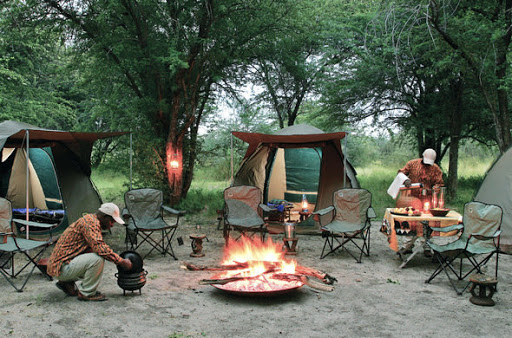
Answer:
(260, 262)
(426, 206)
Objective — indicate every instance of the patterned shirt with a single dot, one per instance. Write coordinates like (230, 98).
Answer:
(418, 172)
(80, 237)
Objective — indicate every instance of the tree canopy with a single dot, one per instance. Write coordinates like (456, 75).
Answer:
(433, 73)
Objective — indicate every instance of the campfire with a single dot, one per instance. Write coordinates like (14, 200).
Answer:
(250, 266)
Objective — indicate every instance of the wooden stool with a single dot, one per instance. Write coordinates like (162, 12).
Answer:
(486, 288)
(304, 215)
(197, 245)
(290, 245)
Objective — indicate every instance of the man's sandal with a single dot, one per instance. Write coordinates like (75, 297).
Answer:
(69, 288)
(97, 297)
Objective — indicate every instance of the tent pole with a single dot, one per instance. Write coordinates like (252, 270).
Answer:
(231, 158)
(345, 161)
(131, 160)
(26, 181)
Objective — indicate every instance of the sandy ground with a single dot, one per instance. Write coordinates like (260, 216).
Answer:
(371, 299)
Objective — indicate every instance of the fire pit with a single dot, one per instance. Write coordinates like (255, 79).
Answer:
(252, 267)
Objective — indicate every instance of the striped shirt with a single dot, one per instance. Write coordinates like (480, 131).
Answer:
(419, 172)
(80, 237)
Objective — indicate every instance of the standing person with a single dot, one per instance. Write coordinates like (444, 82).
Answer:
(80, 254)
(425, 171)
(420, 170)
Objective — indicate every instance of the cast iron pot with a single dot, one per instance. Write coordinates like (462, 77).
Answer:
(136, 260)
(131, 281)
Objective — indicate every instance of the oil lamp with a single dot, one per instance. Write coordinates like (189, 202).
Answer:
(426, 206)
(304, 203)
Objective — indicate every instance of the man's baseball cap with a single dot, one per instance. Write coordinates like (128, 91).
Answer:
(112, 210)
(429, 156)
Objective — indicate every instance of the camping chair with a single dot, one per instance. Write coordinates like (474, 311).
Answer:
(479, 238)
(144, 215)
(351, 213)
(10, 245)
(243, 211)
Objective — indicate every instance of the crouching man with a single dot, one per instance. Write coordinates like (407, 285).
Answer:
(80, 253)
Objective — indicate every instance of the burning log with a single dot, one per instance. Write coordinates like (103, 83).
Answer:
(324, 277)
(237, 266)
(221, 281)
(300, 270)
(305, 280)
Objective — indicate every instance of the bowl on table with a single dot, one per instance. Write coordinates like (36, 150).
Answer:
(439, 212)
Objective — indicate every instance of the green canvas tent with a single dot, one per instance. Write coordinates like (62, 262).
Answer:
(496, 188)
(56, 175)
(297, 160)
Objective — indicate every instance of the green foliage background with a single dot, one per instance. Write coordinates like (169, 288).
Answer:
(377, 165)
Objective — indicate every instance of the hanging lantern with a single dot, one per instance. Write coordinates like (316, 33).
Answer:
(175, 164)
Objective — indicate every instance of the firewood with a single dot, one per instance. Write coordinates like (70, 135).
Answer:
(315, 285)
(221, 280)
(271, 266)
(194, 267)
(324, 277)
(236, 266)
(305, 280)
(233, 278)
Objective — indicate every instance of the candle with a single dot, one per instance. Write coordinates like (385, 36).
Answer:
(426, 206)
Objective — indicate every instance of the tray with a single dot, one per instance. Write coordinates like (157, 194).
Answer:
(404, 214)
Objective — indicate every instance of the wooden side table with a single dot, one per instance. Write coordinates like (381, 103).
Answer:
(304, 215)
(486, 287)
(290, 245)
(197, 245)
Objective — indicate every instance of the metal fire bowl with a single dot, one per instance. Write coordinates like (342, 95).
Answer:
(266, 293)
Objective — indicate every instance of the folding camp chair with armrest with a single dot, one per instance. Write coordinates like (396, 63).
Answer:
(10, 245)
(144, 215)
(351, 213)
(479, 238)
(243, 211)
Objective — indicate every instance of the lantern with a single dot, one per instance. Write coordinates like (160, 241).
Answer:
(304, 203)
(426, 206)
(175, 164)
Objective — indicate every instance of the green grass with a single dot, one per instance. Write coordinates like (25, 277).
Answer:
(110, 185)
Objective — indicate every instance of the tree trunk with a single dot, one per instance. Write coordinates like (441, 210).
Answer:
(493, 92)
(456, 90)
(174, 169)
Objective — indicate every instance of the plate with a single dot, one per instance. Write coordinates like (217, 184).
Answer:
(404, 214)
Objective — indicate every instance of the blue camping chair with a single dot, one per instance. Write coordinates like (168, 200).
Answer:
(10, 245)
(478, 242)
